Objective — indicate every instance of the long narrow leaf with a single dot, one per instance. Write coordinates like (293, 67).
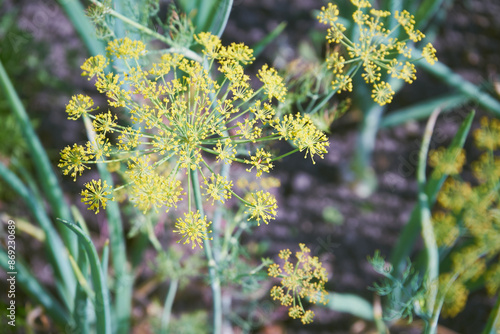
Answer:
(352, 304)
(82, 295)
(411, 230)
(29, 284)
(46, 175)
(426, 10)
(423, 109)
(261, 45)
(102, 302)
(445, 74)
(53, 244)
(494, 320)
(431, 249)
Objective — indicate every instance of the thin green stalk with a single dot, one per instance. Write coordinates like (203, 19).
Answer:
(123, 278)
(493, 323)
(46, 175)
(431, 249)
(167, 308)
(212, 265)
(219, 210)
(102, 302)
(410, 232)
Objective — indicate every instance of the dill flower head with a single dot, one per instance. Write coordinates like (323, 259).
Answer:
(487, 137)
(377, 53)
(96, 194)
(171, 116)
(125, 48)
(445, 228)
(94, 66)
(304, 279)
(73, 160)
(261, 206)
(447, 161)
(455, 296)
(79, 105)
(193, 228)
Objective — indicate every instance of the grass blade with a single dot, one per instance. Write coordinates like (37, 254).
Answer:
(426, 10)
(352, 304)
(82, 294)
(422, 110)
(261, 45)
(494, 320)
(102, 302)
(83, 26)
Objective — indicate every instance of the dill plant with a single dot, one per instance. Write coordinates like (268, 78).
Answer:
(178, 115)
(181, 116)
(175, 123)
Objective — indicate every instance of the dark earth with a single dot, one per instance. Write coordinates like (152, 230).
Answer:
(44, 65)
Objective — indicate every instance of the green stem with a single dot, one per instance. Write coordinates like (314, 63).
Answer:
(494, 319)
(123, 279)
(102, 304)
(285, 155)
(431, 249)
(167, 308)
(212, 265)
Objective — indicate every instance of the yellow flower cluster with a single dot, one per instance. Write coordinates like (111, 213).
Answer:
(305, 279)
(376, 51)
(96, 194)
(471, 212)
(173, 115)
(447, 161)
(193, 228)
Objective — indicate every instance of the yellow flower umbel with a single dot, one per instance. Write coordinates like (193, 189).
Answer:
(377, 50)
(193, 228)
(305, 279)
(467, 224)
(96, 194)
(174, 118)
